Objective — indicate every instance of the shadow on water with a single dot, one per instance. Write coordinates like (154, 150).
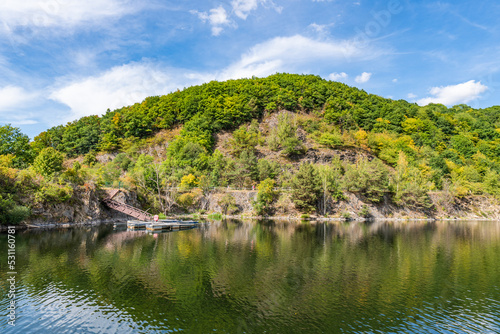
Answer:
(260, 276)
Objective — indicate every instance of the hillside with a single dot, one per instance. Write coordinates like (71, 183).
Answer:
(300, 141)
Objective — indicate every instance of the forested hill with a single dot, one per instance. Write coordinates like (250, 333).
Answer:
(457, 132)
(420, 149)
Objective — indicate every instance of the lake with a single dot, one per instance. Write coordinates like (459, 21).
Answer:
(258, 277)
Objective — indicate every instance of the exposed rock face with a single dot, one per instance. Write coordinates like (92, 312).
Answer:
(85, 206)
(473, 207)
(243, 200)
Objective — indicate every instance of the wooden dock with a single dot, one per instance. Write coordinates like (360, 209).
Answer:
(161, 225)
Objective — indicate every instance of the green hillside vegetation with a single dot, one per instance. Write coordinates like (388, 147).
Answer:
(169, 148)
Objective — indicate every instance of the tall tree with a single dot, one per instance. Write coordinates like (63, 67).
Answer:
(306, 188)
(12, 141)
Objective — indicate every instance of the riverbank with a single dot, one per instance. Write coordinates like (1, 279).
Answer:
(89, 209)
(313, 219)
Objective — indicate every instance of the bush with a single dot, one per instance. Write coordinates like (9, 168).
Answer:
(265, 196)
(365, 211)
(228, 204)
(10, 212)
(54, 193)
(48, 162)
(371, 179)
(285, 136)
(90, 159)
(346, 215)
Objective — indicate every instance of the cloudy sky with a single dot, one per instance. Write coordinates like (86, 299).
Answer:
(64, 59)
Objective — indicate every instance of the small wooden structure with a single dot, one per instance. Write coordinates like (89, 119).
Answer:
(162, 225)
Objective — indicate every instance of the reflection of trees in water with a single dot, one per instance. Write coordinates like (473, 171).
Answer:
(325, 273)
(244, 231)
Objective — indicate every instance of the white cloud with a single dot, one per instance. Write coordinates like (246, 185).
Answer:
(412, 96)
(131, 83)
(219, 17)
(338, 76)
(120, 86)
(395, 80)
(216, 17)
(455, 94)
(242, 8)
(293, 54)
(13, 97)
(60, 13)
(16, 105)
(364, 77)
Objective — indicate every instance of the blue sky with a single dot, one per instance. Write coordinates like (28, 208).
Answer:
(64, 59)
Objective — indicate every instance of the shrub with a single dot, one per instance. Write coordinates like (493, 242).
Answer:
(90, 159)
(48, 162)
(10, 212)
(265, 196)
(228, 204)
(371, 179)
(346, 215)
(365, 211)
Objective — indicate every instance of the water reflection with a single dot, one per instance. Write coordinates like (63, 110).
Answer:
(274, 276)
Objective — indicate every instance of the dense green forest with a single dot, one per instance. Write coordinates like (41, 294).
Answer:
(167, 149)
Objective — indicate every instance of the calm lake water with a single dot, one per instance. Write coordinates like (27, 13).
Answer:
(259, 277)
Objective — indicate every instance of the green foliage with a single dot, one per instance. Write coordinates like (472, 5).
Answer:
(267, 169)
(332, 139)
(215, 216)
(10, 212)
(48, 162)
(53, 193)
(412, 184)
(284, 136)
(188, 182)
(123, 161)
(74, 175)
(245, 170)
(330, 176)
(188, 199)
(346, 215)
(306, 188)
(368, 178)
(265, 196)
(365, 211)
(90, 158)
(244, 140)
(228, 204)
(492, 183)
(463, 145)
(187, 153)
(7, 160)
(456, 147)
(15, 144)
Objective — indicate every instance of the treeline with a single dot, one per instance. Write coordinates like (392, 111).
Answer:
(417, 149)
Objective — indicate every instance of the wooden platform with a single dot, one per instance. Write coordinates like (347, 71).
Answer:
(162, 225)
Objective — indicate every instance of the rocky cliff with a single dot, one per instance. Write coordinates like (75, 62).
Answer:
(85, 206)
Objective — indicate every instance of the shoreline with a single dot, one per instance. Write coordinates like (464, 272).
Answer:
(51, 226)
